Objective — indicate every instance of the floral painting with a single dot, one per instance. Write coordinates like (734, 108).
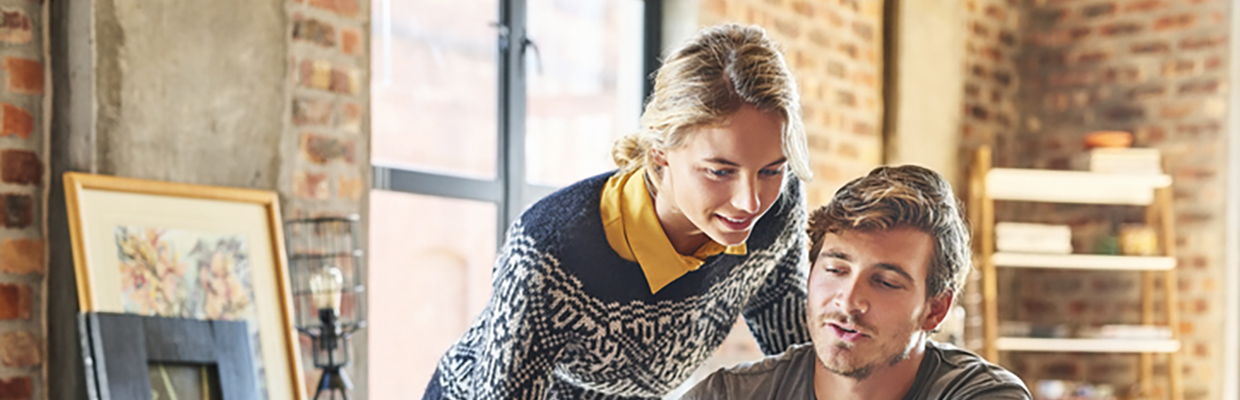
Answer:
(187, 274)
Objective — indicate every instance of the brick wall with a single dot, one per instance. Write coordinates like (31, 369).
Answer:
(834, 47)
(1153, 67)
(23, 146)
(989, 112)
(326, 144)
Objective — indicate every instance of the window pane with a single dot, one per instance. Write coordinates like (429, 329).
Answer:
(430, 271)
(434, 89)
(588, 92)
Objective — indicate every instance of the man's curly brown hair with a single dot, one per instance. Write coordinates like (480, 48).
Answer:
(903, 196)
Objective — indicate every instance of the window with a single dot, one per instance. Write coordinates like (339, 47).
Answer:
(479, 108)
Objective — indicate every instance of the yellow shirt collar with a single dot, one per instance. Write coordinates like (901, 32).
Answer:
(634, 232)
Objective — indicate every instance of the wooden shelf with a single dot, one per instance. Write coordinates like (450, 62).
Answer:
(1073, 186)
(1083, 261)
(1088, 345)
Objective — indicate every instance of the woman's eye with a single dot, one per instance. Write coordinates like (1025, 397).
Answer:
(720, 173)
(769, 172)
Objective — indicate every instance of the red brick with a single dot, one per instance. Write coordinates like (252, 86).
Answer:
(1144, 6)
(1155, 47)
(323, 150)
(1047, 18)
(316, 74)
(314, 31)
(15, 301)
(1177, 110)
(1199, 87)
(1098, 10)
(19, 349)
(1213, 63)
(351, 115)
(803, 8)
(18, 210)
(1125, 113)
(1199, 43)
(310, 185)
(350, 186)
(21, 167)
(15, 26)
(25, 75)
(1171, 69)
(1122, 29)
(348, 8)
(863, 30)
(1093, 57)
(16, 388)
(351, 41)
(308, 111)
(1174, 22)
(345, 80)
(22, 256)
(845, 98)
(1146, 92)
(16, 121)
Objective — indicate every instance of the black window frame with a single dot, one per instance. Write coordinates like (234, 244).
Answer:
(509, 190)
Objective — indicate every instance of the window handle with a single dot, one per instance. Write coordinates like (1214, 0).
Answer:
(529, 44)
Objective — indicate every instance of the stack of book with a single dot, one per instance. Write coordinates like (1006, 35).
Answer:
(1125, 161)
(1018, 237)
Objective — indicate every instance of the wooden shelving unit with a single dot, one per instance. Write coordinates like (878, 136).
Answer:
(1151, 191)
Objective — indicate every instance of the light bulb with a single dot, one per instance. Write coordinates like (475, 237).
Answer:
(326, 288)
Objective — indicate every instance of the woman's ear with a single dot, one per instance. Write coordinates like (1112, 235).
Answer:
(659, 157)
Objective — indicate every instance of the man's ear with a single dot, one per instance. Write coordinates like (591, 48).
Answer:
(940, 305)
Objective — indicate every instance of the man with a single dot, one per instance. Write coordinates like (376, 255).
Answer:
(889, 257)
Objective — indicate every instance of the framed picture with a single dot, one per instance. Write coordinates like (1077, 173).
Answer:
(157, 358)
(188, 251)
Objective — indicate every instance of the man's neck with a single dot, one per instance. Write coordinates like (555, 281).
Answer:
(887, 382)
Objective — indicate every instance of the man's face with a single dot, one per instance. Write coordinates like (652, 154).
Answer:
(867, 305)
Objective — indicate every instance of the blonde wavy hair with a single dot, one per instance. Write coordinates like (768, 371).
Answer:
(704, 83)
(903, 196)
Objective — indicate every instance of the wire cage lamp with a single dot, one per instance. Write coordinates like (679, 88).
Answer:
(325, 263)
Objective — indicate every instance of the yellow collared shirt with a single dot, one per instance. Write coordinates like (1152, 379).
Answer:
(634, 232)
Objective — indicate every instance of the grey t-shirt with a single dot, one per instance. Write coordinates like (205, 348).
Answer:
(946, 372)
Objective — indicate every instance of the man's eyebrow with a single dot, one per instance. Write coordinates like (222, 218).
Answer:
(834, 254)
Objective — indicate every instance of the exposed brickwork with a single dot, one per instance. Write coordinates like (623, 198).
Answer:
(835, 49)
(16, 388)
(15, 301)
(20, 349)
(22, 256)
(24, 75)
(1156, 68)
(22, 168)
(15, 26)
(15, 121)
(329, 73)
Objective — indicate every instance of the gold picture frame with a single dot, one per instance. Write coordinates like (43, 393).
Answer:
(190, 251)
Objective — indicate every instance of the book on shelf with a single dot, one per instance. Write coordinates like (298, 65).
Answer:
(1019, 237)
(1125, 161)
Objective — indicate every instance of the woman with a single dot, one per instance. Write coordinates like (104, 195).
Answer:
(621, 285)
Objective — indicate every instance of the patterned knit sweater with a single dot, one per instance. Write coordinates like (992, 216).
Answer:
(571, 319)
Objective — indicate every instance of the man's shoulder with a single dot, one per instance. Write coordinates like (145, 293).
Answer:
(779, 376)
(964, 374)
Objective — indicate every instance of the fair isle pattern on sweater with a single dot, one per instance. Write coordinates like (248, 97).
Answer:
(570, 319)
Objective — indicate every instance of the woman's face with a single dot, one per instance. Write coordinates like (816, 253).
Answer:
(721, 180)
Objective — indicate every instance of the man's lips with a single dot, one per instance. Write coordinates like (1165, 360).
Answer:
(846, 333)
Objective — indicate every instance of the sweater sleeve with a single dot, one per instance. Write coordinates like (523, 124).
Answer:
(513, 344)
(776, 314)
